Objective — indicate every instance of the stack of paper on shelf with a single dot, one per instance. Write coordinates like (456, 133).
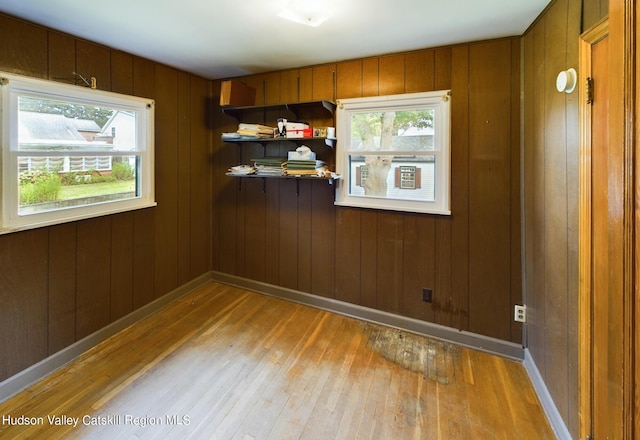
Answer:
(255, 130)
(270, 165)
(304, 167)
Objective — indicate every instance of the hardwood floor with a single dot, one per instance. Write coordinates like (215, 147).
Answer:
(225, 363)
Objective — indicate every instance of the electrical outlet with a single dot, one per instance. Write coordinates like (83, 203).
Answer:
(520, 313)
(427, 294)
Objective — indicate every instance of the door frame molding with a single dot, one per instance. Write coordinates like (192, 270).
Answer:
(599, 31)
(624, 126)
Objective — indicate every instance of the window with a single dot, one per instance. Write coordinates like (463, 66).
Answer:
(394, 152)
(70, 152)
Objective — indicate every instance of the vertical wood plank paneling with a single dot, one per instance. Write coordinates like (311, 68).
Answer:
(389, 262)
(489, 189)
(442, 286)
(184, 178)
(121, 72)
(200, 177)
(272, 231)
(592, 12)
(24, 47)
(256, 211)
(144, 256)
(391, 74)
(217, 123)
(347, 258)
(62, 57)
(516, 193)
(370, 77)
(419, 264)
(368, 258)
(528, 177)
(94, 60)
(240, 240)
(62, 287)
(460, 188)
(443, 70)
(23, 295)
(93, 276)
(324, 79)
(287, 235)
(306, 84)
(290, 86)
(121, 280)
(272, 88)
(349, 79)
(259, 83)
(166, 237)
(304, 236)
(419, 71)
(322, 239)
(536, 329)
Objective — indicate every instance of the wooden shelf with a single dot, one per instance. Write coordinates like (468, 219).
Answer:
(331, 142)
(287, 176)
(298, 109)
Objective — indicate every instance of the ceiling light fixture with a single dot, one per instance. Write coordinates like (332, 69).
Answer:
(308, 12)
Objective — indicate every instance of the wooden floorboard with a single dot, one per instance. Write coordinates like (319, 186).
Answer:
(226, 363)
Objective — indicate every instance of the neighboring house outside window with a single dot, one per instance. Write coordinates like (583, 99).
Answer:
(394, 151)
(70, 152)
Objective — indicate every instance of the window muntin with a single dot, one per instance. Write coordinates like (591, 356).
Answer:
(394, 152)
(70, 152)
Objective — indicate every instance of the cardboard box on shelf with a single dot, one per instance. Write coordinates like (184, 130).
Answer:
(236, 94)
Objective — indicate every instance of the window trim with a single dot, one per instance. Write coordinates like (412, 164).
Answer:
(12, 86)
(441, 102)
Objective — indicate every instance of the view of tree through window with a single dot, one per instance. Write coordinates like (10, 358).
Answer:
(394, 152)
(395, 133)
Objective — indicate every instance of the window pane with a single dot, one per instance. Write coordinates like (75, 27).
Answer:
(46, 124)
(407, 130)
(402, 177)
(52, 183)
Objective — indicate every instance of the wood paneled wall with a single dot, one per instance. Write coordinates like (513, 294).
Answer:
(550, 122)
(290, 234)
(61, 283)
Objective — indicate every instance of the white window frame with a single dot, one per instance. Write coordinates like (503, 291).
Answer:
(440, 101)
(11, 87)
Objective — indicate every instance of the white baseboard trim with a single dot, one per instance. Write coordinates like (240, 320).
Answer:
(38, 371)
(461, 337)
(549, 406)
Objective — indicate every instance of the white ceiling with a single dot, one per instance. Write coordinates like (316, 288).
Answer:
(226, 38)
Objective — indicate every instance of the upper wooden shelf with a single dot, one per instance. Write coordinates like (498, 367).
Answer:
(298, 109)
